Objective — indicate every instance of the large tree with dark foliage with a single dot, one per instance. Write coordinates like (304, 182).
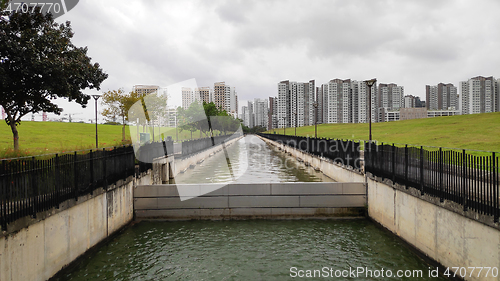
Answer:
(38, 63)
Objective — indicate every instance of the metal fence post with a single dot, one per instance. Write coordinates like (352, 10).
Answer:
(495, 187)
(464, 187)
(406, 166)
(104, 170)
(3, 199)
(57, 183)
(91, 172)
(393, 163)
(441, 198)
(421, 170)
(34, 187)
(75, 175)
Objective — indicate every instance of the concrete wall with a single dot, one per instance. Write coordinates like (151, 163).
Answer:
(447, 237)
(57, 237)
(333, 170)
(233, 201)
(180, 164)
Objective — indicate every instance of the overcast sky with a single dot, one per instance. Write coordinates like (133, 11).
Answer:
(252, 45)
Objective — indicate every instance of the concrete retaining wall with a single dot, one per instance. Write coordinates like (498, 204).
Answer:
(181, 164)
(447, 237)
(335, 171)
(57, 237)
(233, 201)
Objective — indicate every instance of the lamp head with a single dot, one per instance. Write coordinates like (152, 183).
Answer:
(96, 97)
(371, 82)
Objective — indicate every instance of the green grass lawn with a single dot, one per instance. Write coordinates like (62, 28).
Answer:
(36, 138)
(474, 131)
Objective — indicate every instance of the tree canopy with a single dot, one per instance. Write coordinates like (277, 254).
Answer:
(206, 118)
(39, 63)
(117, 106)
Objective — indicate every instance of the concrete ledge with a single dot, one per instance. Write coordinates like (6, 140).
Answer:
(250, 213)
(249, 200)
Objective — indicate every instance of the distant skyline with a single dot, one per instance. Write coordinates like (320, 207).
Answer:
(252, 45)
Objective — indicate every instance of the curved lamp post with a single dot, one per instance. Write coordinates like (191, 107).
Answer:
(370, 84)
(96, 97)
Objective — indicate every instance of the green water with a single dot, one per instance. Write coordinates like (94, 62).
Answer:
(247, 250)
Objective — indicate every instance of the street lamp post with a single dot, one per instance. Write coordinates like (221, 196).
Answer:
(370, 84)
(315, 120)
(96, 97)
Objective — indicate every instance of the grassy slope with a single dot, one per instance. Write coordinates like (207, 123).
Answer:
(475, 131)
(48, 137)
(37, 138)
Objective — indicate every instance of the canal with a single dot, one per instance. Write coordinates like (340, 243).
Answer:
(252, 249)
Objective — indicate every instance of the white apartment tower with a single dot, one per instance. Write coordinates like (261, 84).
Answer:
(283, 104)
(187, 97)
(479, 95)
(310, 104)
(261, 109)
(391, 96)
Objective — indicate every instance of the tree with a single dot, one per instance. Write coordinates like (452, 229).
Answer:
(118, 105)
(38, 63)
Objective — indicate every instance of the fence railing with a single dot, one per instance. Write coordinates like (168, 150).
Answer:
(469, 180)
(149, 151)
(340, 151)
(197, 145)
(31, 185)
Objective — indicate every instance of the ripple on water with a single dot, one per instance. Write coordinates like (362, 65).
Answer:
(243, 250)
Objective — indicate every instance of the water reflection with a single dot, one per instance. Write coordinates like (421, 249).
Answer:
(250, 160)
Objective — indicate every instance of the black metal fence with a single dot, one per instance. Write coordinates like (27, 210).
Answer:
(31, 185)
(340, 151)
(469, 180)
(197, 145)
(149, 151)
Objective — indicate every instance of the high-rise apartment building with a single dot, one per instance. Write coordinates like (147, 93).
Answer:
(391, 96)
(261, 109)
(339, 99)
(272, 119)
(284, 104)
(310, 110)
(203, 94)
(187, 97)
(219, 97)
(441, 97)
(479, 95)
(324, 103)
(145, 89)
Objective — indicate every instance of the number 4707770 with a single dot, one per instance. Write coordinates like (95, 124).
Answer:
(30, 7)
(477, 271)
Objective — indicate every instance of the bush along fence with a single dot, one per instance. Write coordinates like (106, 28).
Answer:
(469, 180)
(31, 185)
(344, 152)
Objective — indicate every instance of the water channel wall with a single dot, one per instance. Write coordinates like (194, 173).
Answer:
(40, 247)
(249, 200)
(442, 231)
(181, 164)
